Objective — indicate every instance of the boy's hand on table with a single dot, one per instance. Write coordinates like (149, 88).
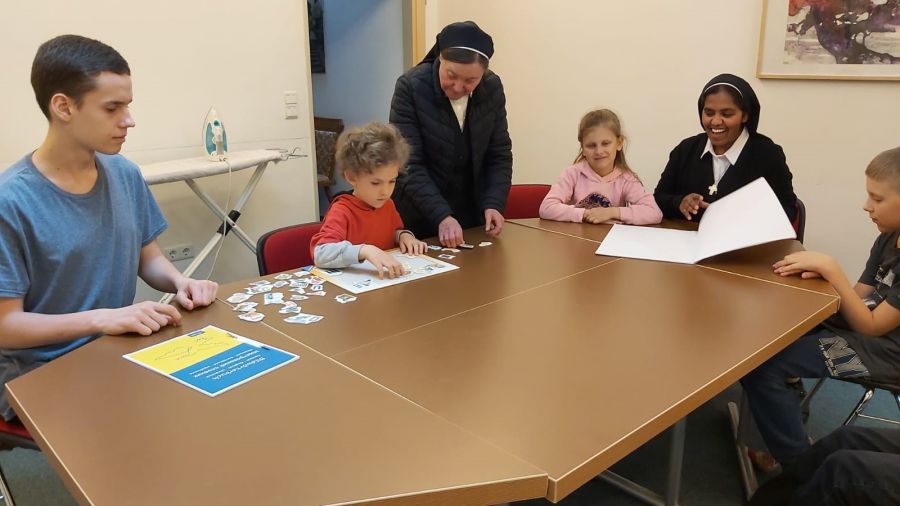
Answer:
(809, 264)
(412, 246)
(384, 263)
(194, 293)
(143, 318)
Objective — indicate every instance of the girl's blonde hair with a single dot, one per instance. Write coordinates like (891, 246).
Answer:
(364, 148)
(608, 119)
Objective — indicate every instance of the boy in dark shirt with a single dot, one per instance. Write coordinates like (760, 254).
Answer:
(862, 340)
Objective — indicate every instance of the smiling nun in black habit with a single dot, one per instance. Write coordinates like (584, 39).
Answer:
(728, 155)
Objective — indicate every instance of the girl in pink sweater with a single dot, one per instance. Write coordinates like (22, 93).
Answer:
(600, 187)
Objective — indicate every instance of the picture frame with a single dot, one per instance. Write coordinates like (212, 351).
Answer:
(315, 12)
(835, 39)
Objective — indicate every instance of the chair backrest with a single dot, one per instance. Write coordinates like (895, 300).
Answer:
(800, 221)
(14, 434)
(524, 200)
(285, 248)
(327, 132)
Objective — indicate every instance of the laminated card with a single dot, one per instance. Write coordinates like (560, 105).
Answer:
(211, 360)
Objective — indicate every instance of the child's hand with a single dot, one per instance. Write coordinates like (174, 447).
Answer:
(809, 264)
(383, 262)
(691, 204)
(410, 245)
(600, 215)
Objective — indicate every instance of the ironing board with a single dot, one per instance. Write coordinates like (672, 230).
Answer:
(189, 169)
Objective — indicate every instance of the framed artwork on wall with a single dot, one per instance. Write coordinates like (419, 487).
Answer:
(830, 39)
(315, 10)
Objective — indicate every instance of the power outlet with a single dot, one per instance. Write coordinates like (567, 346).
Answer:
(179, 252)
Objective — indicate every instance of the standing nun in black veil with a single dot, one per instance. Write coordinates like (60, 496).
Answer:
(452, 111)
(729, 154)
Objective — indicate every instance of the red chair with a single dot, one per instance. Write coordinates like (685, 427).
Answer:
(285, 248)
(12, 435)
(524, 200)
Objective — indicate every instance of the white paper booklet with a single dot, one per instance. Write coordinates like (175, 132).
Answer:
(751, 215)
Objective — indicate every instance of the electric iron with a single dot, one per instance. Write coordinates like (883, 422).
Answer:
(214, 140)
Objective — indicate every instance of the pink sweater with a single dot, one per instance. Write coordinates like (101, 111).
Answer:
(638, 207)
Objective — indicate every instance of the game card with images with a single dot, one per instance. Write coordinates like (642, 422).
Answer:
(362, 277)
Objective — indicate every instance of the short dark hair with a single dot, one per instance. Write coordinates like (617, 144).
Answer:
(464, 56)
(69, 64)
(885, 167)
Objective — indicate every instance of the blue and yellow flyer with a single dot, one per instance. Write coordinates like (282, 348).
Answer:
(211, 360)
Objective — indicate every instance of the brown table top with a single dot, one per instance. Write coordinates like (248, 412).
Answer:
(520, 259)
(755, 261)
(494, 376)
(311, 432)
(574, 375)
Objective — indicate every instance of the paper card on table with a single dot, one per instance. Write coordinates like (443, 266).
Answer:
(238, 298)
(251, 316)
(211, 360)
(245, 307)
(362, 277)
(303, 318)
(751, 215)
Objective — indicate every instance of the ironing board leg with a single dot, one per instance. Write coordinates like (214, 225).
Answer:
(234, 214)
(230, 218)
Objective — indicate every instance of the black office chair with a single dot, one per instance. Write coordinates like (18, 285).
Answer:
(869, 386)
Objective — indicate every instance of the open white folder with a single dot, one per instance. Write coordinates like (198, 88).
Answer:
(751, 215)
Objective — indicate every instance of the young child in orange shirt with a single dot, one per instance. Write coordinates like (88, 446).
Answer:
(361, 225)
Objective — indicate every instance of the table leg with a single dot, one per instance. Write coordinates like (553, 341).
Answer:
(673, 485)
(739, 414)
(676, 459)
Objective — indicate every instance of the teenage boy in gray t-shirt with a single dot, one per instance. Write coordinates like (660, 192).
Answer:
(77, 221)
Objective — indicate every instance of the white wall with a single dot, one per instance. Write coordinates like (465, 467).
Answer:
(185, 57)
(363, 59)
(649, 61)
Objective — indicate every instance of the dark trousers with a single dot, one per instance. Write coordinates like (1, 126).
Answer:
(851, 466)
(774, 404)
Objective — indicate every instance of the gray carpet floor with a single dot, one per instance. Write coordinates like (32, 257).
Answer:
(711, 474)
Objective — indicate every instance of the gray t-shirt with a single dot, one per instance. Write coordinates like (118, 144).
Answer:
(66, 253)
(881, 355)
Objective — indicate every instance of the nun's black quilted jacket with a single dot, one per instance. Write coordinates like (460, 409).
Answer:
(425, 118)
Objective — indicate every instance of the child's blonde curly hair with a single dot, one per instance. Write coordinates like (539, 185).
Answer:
(364, 148)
